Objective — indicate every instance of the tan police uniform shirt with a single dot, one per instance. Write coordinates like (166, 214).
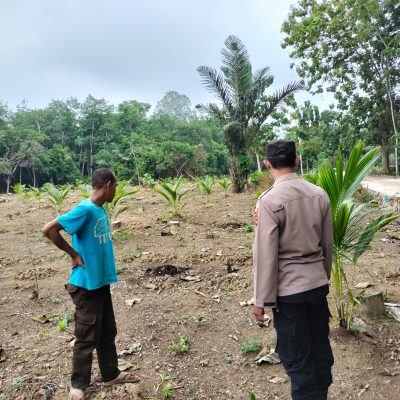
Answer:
(294, 240)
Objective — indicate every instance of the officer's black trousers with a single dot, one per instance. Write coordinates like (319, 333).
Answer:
(302, 325)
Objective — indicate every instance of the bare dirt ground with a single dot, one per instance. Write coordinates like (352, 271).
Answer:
(201, 302)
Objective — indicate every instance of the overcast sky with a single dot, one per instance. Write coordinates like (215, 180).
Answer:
(131, 49)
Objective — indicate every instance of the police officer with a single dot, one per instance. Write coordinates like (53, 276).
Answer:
(292, 266)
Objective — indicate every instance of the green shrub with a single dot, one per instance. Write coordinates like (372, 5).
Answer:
(251, 346)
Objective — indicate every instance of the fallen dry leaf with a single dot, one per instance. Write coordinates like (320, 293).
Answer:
(131, 302)
(363, 285)
(275, 379)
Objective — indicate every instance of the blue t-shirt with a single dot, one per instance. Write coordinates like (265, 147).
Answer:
(89, 227)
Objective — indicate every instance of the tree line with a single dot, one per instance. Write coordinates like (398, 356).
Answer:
(350, 48)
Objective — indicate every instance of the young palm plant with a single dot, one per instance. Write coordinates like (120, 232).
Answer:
(351, 233)
(205, 185)
(57, 194)
(225, 183)
(38, 194)
(84, 188)
(19, 189)
(173, 195)
(123, 191)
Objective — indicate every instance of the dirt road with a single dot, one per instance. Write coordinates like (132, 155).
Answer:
(385, 185)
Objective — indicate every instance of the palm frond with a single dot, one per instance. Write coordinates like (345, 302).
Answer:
(272, 102)
(357, 169)
(215, 83)
(236, 66)
(369, 232)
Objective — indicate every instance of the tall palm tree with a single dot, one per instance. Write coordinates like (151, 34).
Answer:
(245, 105)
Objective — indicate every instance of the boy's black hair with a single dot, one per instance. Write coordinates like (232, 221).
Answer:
(281, 154)
(101, 176)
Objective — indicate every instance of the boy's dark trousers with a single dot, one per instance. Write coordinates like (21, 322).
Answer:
(301, 321)
(95, 328)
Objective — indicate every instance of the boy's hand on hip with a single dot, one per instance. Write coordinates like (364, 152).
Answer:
(77, 262)
(259, 314)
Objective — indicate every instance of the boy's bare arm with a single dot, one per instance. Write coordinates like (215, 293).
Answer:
(52, 231)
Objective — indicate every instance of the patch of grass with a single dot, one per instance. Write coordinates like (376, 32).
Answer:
(16, 383)
(181, 347)
(387, 296)
(167, 391)
(228, 359)
(248, 228)
(251, 346)
(17, 286)
(210, 235)
(123, 234)
(141, 247)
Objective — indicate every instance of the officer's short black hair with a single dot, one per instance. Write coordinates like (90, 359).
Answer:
(102, 176)
(281, 153)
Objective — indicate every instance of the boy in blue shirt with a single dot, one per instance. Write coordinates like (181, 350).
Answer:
(93, 270)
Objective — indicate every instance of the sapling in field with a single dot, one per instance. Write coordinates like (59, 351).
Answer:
(84, 188)
(148, 181)
(353, 228)
(123, 192)
(205, 185)
(19, 189)
(38, 194)
(225, 183)
(173, 195)
(57, 194)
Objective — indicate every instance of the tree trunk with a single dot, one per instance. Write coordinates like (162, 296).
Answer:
(238, 179)
(34, 176)
(385, 154)
(258, 161)
(8, 181)
(91, 152)
(301, 165)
